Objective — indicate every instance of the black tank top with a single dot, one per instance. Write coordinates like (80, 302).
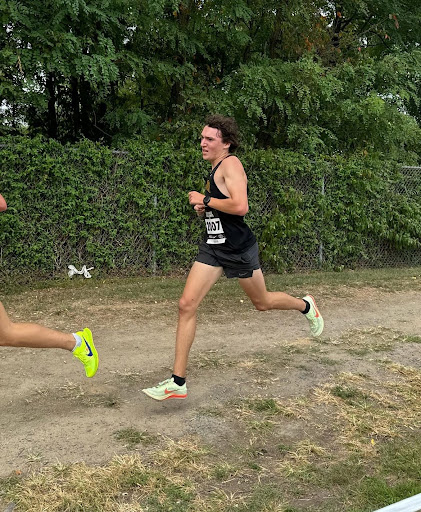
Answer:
(225, 231)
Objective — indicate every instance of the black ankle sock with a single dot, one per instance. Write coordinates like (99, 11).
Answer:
(307, 309)
(178, 380)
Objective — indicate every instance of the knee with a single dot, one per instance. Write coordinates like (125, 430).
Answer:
(6, 334)
(187, 306)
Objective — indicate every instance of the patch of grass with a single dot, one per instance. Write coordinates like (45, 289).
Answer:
(261, 426)
(374, 493)
(132, 437)
(327, 361)
(186, 455)
(211, 359)
(257, 360)
(368, 485)
(223, 471)
(254, 466)
(284, 448)
(179, 475)
(359, 352)
(163, 289)
(268, 405)
(172, 498)
(264, 498)
(341, 473)
(215, 412)
(410, 338)
(385, 278)
(9, 483)
(401, 457)
(34, 457)
(363, 341)
(124, 479)
(64, 487)
(368, 408)
(349, 394)
(295, 349)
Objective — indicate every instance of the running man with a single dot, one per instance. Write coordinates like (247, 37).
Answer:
(229, 246)
(36, 336)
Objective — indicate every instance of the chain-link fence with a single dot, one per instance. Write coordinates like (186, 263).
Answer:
(382, 253)
(134, 214)
(299, 249)
(375, 251)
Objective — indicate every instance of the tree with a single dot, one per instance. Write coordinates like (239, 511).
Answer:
(61, 63)
(310, 75)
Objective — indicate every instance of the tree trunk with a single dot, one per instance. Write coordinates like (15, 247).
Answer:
(75, 108)
(52, 115)
(85, 108)
(276, 35)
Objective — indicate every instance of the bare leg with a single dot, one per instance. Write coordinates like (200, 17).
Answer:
(200, 280)
(263, 300)
(31, 335)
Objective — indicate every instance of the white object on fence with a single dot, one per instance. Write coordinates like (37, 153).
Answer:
(85, 271)
(412, 504)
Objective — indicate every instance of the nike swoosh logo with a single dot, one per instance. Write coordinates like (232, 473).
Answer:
(89, 348)
(168, 392)
(317, 314)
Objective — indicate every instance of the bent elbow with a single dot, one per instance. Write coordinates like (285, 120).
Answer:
(242, 210)
(3, 204)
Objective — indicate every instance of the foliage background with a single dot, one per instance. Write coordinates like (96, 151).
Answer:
(326, 93)
(307, 75)
(128, 211)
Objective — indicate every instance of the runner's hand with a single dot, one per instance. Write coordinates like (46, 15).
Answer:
(195, 198)
(3, 204)
(200, 209)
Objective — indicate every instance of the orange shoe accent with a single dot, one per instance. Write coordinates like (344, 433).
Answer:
(175, 396)
(316, 308)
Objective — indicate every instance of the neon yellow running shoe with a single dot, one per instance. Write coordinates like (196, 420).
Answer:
(166, 389)
(314, 317)
(87, 352)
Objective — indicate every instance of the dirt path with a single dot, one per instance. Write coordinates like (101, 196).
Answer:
(50, 412)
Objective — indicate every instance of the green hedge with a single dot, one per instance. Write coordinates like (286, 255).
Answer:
(128, 211)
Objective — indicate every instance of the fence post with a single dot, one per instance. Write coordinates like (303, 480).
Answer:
(321, 243)
(153, 257)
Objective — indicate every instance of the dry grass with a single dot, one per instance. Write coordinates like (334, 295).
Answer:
(210, 359)
(364, 341)
(299, 460)
(364, 412)
(169, 481)
(374, 408)
(124, 484)
(285, 454)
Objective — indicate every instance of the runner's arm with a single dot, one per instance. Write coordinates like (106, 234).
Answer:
(3, 204)
(236, 183)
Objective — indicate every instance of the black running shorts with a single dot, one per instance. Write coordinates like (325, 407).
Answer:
(235, 264)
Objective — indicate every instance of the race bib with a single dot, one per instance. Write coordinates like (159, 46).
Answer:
(214, 228)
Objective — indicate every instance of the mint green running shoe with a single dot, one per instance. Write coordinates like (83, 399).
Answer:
(87, 353)
(314, 317)
(166, 389)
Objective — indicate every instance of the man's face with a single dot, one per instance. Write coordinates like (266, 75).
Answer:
(211, 143)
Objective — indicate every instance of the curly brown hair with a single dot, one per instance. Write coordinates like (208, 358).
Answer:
(228, 128)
